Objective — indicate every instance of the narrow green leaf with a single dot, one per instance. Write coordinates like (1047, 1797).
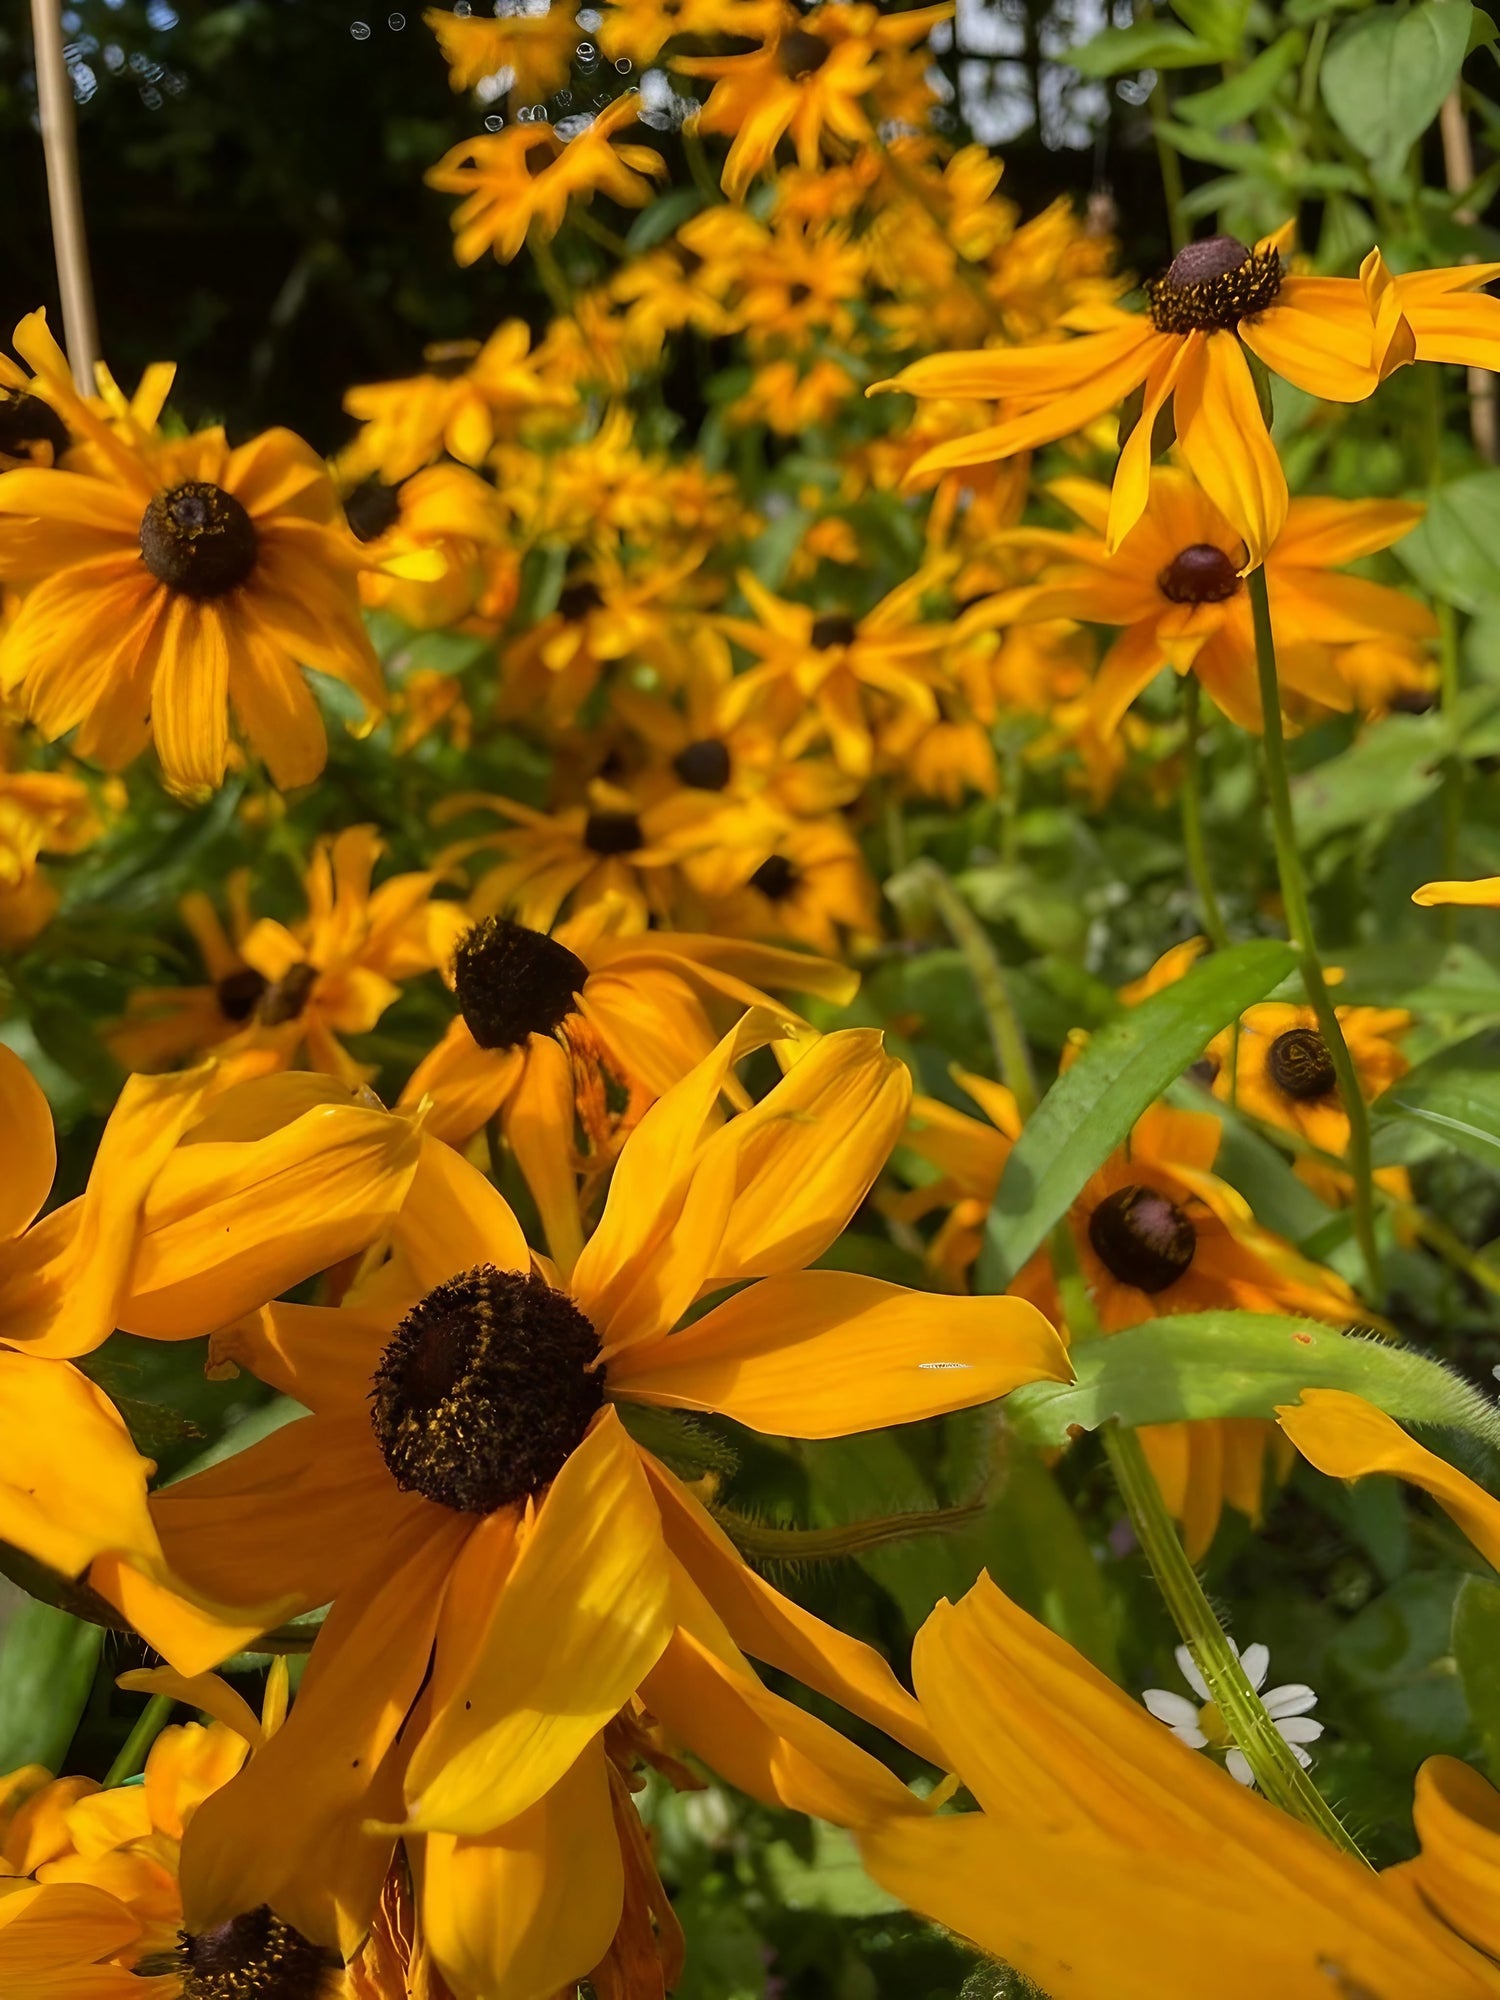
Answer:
(1476, 1653)
(1145, 45)
(47, 1667)
(1455, 1093)
(1234, 1364)
(659, 218)
(1227, 103)
(1454, 551)
(1090, 1108)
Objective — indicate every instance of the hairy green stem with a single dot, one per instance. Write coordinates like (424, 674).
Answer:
(149, 1724)
(989, 979)
(1192, 819)
(1299, 925)
(1278, 1774)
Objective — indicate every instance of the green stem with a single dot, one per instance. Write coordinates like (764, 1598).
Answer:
(149, 1724)
(1307, 83)
(989, 979)
(550, 272)
(1169, 164)
(1278, 1774)
(1192, 819)
(596, 231)
(1299, 924)
(704, 178)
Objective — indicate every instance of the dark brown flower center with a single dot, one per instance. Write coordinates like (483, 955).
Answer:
(285, 1000)
(513, 982)
(198, 540)
(372, 509)
(1209, 287)
(834, 628)
(1142, 1238)
(26, 421)
(253, 1957)
(612, 833)
(485, 1389)
(1299, 1063)
(576, 600)
(703, 765)
(239, 992)
(1201, 574)
(800, 54)
(776, 878)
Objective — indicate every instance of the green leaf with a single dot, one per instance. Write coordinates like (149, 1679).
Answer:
(1454, 551)
(1227, 103)
(660, 218)
(1221, 22)
(1392, 766)
(1145, 45)
(1457, 1094)
(832, 1880)
(1234, 1364)
(1476, 1653)
(47, 1667)
(1385, 75)
(1092, 1106)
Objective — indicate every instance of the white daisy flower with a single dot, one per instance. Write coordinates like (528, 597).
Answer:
(1201, 1727)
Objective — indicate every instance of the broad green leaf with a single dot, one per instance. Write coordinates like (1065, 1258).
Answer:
(832, 1879)
(1227, 103)
(1386, 73)
(1393, 765)
(1146, 45)
(1476, 1653)
(1390, 1674)
(47, 1667)
(1455, 1093)
(1092, 1106)
(1220, 22)
(1234, 1364)
(1454, 551)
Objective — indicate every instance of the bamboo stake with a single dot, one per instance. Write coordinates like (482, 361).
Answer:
(54, 91)
(1458, 166)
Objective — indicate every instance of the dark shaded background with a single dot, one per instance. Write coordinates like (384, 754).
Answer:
(253, 181)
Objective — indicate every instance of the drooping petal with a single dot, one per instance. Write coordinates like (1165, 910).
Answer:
(1457, 1815)
(453, 1219)
(1223, 437)
(538, 1121)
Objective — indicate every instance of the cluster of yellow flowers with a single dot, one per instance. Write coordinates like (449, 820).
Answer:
(512, 1601)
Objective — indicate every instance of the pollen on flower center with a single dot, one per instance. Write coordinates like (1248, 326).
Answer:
(612, 833)
(512, 982)
(372, 509)
(800, 54)
(240, 992)
(254, 1956)
(1300, 1064)
(27, 420)
(776, 878)
(198, 540)
(834, 628)
(485, 1389)
(1142, 1238)
(1201, 574)
(1209, 287)
(703, 765)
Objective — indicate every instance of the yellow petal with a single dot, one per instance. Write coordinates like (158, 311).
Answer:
(1457, 1815)
(452, 1219)
(30, 1152)
(827, 1353)
(583, 1615)
(208, 1693)
(1346, 1437)
(528, 1910)
(538, 1122)
(1223, 437)
(1483, 894)
(53, 1934)
(72, 1484)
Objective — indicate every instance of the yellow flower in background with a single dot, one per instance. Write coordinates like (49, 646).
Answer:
(161, 593)
(1130, 1863)
(1483, 894)
(527, 175)
(1318, 333)
(586, 1029)
(1174, 586)
(32, 433)
(536, 47)
(425, 541)
(1389, 675)
(466, 1497)
(811, 79)
(294, 990)
(470, 396)
(41, 812)
(805, 881)
(641, 29)
(164, 1023)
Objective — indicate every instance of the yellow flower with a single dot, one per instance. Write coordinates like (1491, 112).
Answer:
(509, 1570)
(803, 880)
(31, 431)
(425, 541)
(41, 812)
(470, 396)
(297, 990)
(811, 78)
(527, 175)
(1320, 334)
(536, 47)
(1130, 1864)
(590, 1026)
(164, 1023)
(1174, 586)
(1388, 673)
(165, 591)
(1481, 895)
(640, 29)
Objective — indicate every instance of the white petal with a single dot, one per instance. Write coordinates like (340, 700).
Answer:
(1189, 1670)
(1301, 1755)
(1175, 1710)
(1295, 1698)
(1238, 1767)
(1256, 1660)
(1299, 1729)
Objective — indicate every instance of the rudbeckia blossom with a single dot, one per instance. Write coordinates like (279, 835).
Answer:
(506, 1567)
(279, 991)
(41, 812)
(536, 47)
(425, 541)
(1216, 299)
(802, 880)
(811, 78)
(641, 29)
(1174, 586)
(527, 175)
(1108, 1858)
(163, 591)
(585, 1029)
